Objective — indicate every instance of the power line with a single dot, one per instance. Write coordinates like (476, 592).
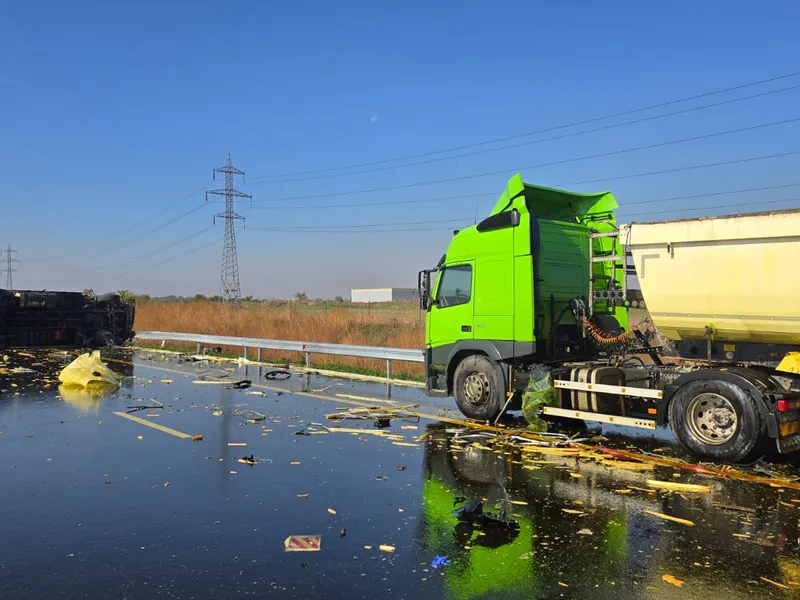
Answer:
(166, 260)
(361, 226)
(437, 199)
(10, 270)
(93, 249)
(539, 141)
(695, 208)
(547, 164)
(392, 225)
(539, 131)
(723, 163)
(709, 194)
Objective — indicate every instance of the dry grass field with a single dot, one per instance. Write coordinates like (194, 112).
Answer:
(396, 325)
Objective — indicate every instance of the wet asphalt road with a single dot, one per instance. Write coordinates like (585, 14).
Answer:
(90, 510)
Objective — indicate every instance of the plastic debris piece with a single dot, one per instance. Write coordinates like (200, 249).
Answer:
(197, 438)
(241, 385)
(400, 468)
(575, 475)
(166, 381)
(386, 548)
(679, 487)
(302, 496)
(237, 443)
(669, 518)
(367, 547)
(303, 543)
(572, 511)
(585, 532)
(248, 460)
(407, 444)
(780, 585)
(140, 437)
(539, 393)
(330, 510)
(217, 413)
(295, 462)
(520, 502)
(673, 580)
(439, 561)
(277, 375)
(234, 472)
(88, 371)
(562, 584)
(343, 533)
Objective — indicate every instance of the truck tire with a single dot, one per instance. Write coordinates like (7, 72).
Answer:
(478, 388)
(717, 420)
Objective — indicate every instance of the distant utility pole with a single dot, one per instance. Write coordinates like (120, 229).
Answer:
(9, 270)
(229, 278)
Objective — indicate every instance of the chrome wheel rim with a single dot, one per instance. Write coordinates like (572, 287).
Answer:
(712, 418)
(476, 388)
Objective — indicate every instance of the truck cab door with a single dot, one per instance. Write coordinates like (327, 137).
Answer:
(451, 315)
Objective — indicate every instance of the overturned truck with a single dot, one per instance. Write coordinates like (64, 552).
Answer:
(31, 319)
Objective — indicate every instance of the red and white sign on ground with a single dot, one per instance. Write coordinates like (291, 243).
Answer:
(303, 543)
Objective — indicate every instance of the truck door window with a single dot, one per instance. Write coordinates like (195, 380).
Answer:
(455, 286)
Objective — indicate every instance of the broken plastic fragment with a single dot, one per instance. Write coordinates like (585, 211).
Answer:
(386, 548)
(88, 370)
(303, 543)
(439, 561)
(672, 580)
(330, 510)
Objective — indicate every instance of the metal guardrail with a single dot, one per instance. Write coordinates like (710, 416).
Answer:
(307, 348)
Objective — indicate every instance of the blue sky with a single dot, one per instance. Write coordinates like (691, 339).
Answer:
(113, 114)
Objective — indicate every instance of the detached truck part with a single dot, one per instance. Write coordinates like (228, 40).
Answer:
(548, 279)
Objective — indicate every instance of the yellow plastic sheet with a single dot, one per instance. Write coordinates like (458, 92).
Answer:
(88, 371)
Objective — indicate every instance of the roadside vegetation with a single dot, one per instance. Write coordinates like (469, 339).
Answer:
(397, 324)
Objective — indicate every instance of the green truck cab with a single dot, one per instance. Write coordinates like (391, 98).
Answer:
(502, 293)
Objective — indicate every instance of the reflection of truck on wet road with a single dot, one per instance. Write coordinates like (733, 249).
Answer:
(547, 279)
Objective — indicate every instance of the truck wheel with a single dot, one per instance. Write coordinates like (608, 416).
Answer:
(716, 420)
(478, 389)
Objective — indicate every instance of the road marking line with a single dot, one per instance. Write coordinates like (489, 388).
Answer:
(158, 426)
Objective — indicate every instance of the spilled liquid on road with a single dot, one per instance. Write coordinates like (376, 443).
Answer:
(108, 507)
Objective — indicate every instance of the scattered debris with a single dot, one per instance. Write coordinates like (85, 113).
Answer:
(303, 543)
(277, 375)
(439, 561)
(585, 532)
(197, 438)
(140, 437)
(400, 468)
(775, 583)
(679, 487)
(302, 496)
(672, 580)
(330, 510)
(386, 548)
(241, 385)
(237, 443)
(248, 460)
(669, 518)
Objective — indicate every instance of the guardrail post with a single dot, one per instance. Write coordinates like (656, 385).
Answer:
(198, 347)
(308, 359)
(388, 368)
(245, 353)
(259, 355)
